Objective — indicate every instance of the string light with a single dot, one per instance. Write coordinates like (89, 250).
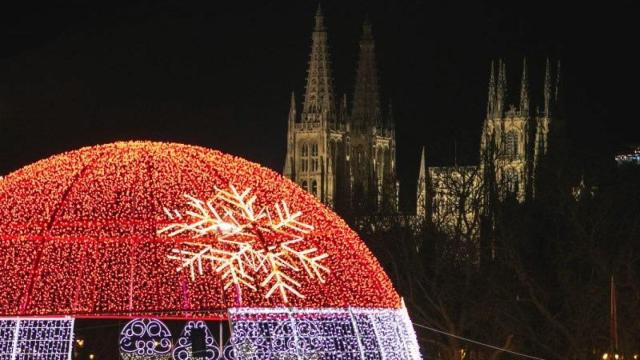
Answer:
(145, 339)
(78, 237)
(184, 347)
(351, 333)
(36, 338)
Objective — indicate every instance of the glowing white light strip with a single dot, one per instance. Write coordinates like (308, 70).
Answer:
(28, 338)
(346, 333)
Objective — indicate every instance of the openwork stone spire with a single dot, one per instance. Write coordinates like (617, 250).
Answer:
(421, 198)
(524, 90)
(547, 89)
(292, 108)
(557, 90)
(366, 100)
(491, 97)
(319, 96)
(501, 90)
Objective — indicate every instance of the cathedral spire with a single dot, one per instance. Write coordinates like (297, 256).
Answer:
(524, 90)
(319, 97)
(288, 167)
(491, 97)
(343, 110)
(292, 109)
(501, 89)
(421, 198)
(557, 89)
(391, 121)
(547, 89)
(366, 99)
(319, 19)
(423, 165)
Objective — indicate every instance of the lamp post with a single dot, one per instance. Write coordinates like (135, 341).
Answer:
(613, 316)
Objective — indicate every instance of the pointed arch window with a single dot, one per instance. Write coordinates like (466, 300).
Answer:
(314, 157)
(333, 156)
(512, 180)
(304, 158)
(314, 188)
(511, 145)
(304, 185)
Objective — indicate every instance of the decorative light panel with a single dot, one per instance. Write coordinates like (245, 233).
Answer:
(145, 339)
(184, 347)
(303, 334)
(350, 334)
(36, 338)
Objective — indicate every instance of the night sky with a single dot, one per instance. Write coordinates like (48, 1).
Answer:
(220, 74)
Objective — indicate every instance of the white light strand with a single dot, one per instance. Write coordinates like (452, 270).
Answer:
(145, 339)
(30, 338)
(347, 333)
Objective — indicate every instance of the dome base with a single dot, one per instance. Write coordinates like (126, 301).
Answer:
(342, 333)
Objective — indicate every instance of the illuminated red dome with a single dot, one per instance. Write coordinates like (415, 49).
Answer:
(79, 236)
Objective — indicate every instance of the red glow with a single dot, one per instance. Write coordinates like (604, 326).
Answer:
(78, 236)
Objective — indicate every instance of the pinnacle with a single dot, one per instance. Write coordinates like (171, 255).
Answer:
(423, 163)
(366, 29)
(319, 19)
(524, 89)
(366, 100)
(319, 88)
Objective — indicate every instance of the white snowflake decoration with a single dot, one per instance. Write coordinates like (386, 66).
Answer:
(234, 233)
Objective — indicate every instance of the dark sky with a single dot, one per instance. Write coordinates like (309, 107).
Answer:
(219, 74)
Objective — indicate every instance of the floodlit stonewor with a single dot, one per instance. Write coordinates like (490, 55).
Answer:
(168, 231)
(346, 156)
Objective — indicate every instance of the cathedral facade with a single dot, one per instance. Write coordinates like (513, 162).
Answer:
(345, 156)
(514, 142)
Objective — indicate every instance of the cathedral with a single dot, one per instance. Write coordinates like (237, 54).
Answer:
(345, 156)
(514, 142)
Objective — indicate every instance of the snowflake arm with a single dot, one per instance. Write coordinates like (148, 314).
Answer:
(191, 259)
(311, 263)
(286, 220)
(207, 220)
(231, 264)
(242, 201)
(281, 281)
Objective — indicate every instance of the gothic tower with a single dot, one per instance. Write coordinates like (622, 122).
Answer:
(371, 137)
(346, 159)
(314, 138)
(515, 139)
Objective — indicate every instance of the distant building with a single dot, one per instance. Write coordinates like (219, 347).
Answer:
(513, 142)
(629, 157)
(346, 156)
